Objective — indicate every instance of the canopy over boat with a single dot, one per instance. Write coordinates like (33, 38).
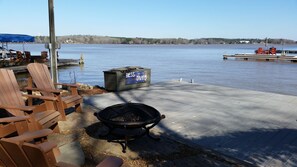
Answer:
(16, 38)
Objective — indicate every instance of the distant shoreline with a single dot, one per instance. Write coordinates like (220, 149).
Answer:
(93, 39)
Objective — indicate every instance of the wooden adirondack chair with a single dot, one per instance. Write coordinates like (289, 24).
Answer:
(11, 152)
(42, 80)
(17, 151)
(42, 155)
(40, 116)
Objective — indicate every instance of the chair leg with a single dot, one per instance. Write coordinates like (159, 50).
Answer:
(78, 108)
(56, 129)
(22, 127)
(50, 156)
(61, 110)
(63, 115)
(56, 152)
(33, 125)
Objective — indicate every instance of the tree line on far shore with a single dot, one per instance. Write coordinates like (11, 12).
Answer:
(93, 39)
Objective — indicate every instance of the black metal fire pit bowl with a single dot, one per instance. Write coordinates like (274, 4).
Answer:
(128, 121)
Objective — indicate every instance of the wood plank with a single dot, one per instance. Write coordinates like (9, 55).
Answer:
(6, 160)
(74, 99)
(50, 120)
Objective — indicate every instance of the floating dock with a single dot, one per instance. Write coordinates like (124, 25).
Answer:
(287, 51)
(262, 57)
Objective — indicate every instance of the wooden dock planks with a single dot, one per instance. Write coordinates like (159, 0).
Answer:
(262, 57)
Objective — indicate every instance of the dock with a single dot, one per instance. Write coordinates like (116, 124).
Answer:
(287, 51)
(61, 63)
(262, 57)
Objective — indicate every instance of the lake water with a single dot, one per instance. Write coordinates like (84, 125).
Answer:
(202, 63)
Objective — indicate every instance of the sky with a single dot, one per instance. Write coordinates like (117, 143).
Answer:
(189, 19)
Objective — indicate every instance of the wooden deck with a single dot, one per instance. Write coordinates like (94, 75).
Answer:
(262, 57)
(61, 63)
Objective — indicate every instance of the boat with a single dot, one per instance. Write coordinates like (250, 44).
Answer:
(12, 38)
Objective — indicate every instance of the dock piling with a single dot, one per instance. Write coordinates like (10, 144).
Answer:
(81, 60)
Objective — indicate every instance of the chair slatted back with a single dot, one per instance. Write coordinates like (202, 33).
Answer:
(14, 149)
(35, 155)
(5, 158)
(10, 93)
(41, 77)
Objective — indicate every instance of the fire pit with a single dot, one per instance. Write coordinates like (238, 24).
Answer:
(127, 121)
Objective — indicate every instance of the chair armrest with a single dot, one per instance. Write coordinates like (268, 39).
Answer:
(73, 87)
(47, 146)
(30, 88)
(14, 119)
(28, 136)
(23, 108)
(49, 98)
(45, 90)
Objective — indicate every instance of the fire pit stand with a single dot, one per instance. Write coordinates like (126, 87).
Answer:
(128, 121)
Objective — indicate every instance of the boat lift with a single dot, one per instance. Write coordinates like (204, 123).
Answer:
(12, 38)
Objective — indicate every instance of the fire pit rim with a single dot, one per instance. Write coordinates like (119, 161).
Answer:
(130, 123)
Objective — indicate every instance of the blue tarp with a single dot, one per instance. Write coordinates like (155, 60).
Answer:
(16, 38)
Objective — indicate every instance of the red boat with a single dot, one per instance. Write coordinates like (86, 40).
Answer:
(271, 50)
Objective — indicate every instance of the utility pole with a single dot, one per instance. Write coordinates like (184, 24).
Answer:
(52, 42)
